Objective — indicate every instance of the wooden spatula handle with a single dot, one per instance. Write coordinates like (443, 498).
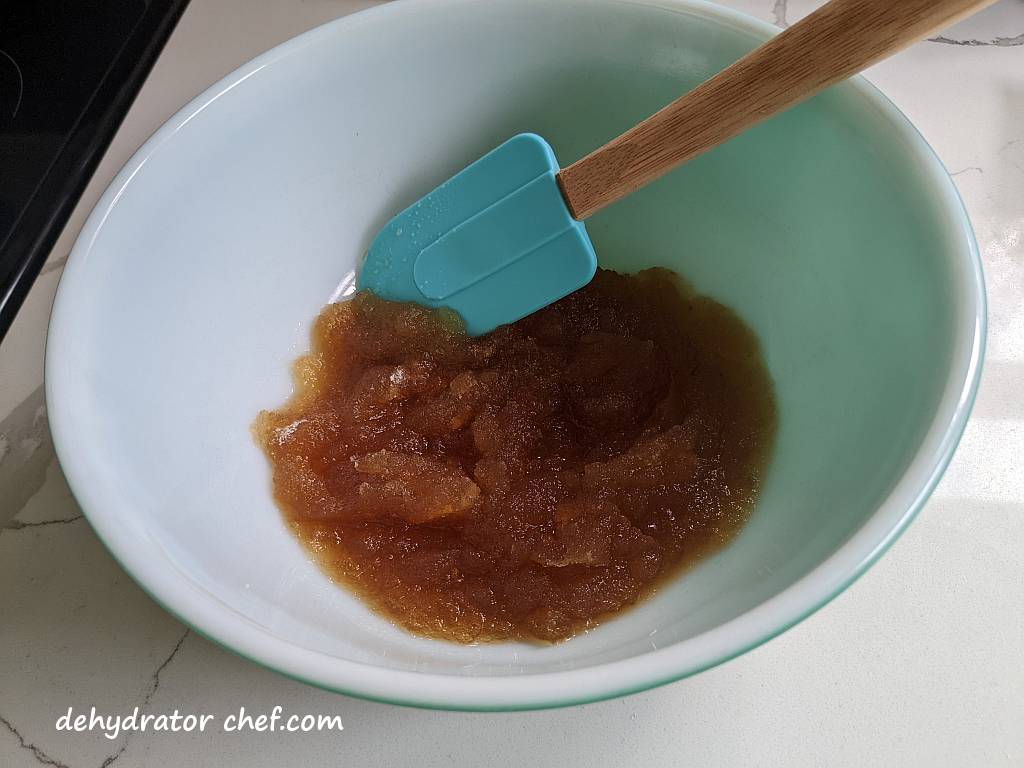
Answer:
(836, 41)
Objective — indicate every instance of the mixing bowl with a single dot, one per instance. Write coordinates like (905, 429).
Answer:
(833, 230)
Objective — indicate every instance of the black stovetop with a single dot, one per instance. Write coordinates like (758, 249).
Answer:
(69, 70)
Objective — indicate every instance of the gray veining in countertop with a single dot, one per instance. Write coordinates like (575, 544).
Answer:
(919, 663)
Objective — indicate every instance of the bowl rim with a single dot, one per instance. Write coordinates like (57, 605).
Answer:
(205, 614)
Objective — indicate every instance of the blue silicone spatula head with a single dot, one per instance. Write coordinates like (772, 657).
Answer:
(494, 243)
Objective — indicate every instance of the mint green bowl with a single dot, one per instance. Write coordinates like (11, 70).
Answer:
(833, 230)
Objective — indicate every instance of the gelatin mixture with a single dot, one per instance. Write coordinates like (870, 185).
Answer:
(529, 483)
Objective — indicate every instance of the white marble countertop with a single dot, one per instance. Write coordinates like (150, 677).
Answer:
(920, 663)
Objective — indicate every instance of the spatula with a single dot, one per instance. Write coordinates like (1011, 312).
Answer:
(505, 236)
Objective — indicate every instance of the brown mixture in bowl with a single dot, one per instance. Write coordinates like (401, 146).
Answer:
(529, 483)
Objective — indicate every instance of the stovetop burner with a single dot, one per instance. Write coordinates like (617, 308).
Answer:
(68, 73)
